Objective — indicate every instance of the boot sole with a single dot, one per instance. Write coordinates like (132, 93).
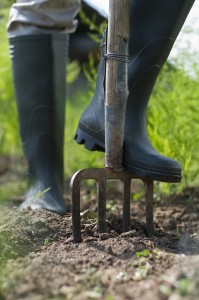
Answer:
(91, 143)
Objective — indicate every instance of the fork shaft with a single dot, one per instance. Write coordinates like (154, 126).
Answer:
(116, 88)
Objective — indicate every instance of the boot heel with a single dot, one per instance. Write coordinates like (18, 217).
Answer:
(90, 143)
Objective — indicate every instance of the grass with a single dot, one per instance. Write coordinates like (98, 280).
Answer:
(9, 137)
(10, 189)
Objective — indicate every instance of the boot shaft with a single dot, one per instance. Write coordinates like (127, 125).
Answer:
(39, 72)
(154, 27)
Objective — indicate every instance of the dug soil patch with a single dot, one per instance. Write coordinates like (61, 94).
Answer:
(39, 260)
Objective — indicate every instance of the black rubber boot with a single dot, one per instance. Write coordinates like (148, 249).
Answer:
(39, 71)
(154, 28)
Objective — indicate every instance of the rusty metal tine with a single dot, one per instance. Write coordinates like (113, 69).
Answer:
(75, 192)
(101, 196)
(149, 206)
(126, 203)
(100, 176)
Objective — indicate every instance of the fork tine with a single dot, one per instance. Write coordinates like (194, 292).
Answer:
(126, 204)
(101, 176)
(75, 193)
(101, 194)
(149, 206)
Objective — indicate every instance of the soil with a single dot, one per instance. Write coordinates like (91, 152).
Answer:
(38, 259)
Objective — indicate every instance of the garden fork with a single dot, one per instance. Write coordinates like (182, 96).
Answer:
(116, 93)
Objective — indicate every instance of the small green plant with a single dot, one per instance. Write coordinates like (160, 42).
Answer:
(109, 297)
(143, 253)
(48, 241)
(96, 30)
(122, 276)
(184, 287)
(98, 290)
(88, 214)
(73, 71)
(140, 265)
(90, 71)
(141, 272)
(165, 289)
(110, 206)
(181, 286)
(41, 194)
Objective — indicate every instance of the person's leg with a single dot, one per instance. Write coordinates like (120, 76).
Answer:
(42, 16)
(154, 28)
(38, 35)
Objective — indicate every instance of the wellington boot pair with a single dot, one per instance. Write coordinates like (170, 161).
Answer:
(39, 71)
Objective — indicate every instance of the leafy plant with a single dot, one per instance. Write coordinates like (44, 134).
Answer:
(6, 3)
(9, 137)
(184, 287)
(11, 188)
(173, 122)
(96, 30)
(143, 253)
(142, 272)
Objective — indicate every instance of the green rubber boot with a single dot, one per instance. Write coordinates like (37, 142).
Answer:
(39, 71)
(154, 28)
